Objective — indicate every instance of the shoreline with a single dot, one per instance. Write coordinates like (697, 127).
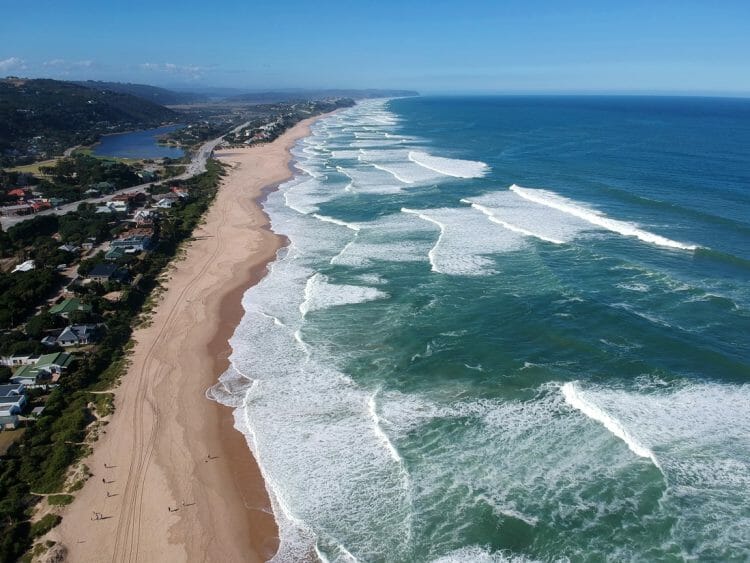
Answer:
(166, 444)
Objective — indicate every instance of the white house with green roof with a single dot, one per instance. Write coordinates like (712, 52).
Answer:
(47, 369)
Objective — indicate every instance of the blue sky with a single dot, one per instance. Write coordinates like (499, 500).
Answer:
(432, 46)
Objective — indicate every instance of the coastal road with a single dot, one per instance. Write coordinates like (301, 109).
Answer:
(196, 166)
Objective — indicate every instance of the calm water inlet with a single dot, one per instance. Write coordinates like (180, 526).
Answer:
(139, 144)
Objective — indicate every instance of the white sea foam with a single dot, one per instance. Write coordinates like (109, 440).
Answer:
(391, 238)
(370, 181)
(339, 222)
(512, 212)
(449, 166)
(397, 163)
(516, 229)
(555, 201)
(577, 399)
(465, 241)
(320, 294)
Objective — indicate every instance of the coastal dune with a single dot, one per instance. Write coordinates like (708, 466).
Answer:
(172, 479)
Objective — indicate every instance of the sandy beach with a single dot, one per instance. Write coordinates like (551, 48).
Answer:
(172, 478)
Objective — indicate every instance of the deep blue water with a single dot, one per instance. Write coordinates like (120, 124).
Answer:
(507, 328)
(138, 144)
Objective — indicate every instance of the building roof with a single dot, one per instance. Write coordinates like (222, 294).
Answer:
(68, 306)
(102, 270)
(25, 266)
(11, 389)
(11, 399)
(55, 359)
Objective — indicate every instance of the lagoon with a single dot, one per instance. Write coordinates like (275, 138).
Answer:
(138, 144)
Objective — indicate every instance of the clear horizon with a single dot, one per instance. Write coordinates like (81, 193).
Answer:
(675, 48)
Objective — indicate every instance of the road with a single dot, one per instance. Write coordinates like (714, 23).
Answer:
(196, 166)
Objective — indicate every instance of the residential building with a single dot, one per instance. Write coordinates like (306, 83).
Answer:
(25, 266)
(139, 239)
(18, 360)
(73, 335)
(47, 370)
(12, 401)
(103, 273)
(67, 306)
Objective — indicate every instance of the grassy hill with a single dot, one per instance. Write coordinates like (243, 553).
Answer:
(40, 118)
(154, 94)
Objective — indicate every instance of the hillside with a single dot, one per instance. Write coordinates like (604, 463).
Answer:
(154, 94)
(301, 94)
(40, 118)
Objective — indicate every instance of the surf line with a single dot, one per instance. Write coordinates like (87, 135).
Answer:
(575, 399)
(488, 213)
(431, 254)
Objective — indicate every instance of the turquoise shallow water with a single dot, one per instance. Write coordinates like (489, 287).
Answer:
(507, 329)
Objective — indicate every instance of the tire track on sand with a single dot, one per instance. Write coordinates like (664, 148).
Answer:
(128, 531)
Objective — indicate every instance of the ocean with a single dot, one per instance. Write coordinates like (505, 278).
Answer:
(507, 329)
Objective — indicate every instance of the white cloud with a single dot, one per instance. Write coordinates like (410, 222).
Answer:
(192, 71)
(67, 65)
(12, 63)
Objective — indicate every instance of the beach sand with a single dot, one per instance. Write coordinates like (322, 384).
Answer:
(167, 447)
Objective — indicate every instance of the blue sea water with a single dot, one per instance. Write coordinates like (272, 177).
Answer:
(139, 144)
(507, 328)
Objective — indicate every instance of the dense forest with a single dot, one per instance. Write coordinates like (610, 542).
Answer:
(154, 94)
(40, 118)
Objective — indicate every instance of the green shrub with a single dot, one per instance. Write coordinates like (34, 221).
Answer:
(45, 525)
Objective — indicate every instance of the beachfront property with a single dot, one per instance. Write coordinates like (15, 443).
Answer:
(73, 335)
(104, 273)
(47, 369)
(12, 401)
(67, 306)
(137, 239)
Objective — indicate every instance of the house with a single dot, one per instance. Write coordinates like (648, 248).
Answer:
(25, 266)
(103, 187)
(103, 273)
(12, 401)
(67, 306)
(12, 398)
(47, 370)
(166, 201)
(114, 254)
(20, 193)
(69, 248)
(180, 191)
(119, 205)
(138, 239)
(132, 198)
(18, 360)
(73, 335)
(144, 217)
